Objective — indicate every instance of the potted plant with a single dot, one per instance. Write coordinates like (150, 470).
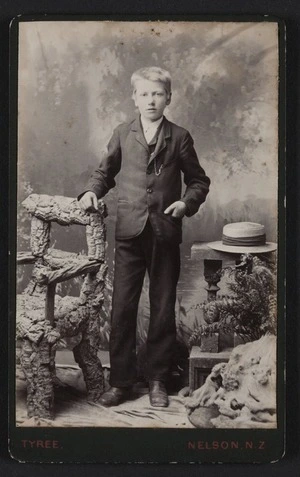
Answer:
(249, 311)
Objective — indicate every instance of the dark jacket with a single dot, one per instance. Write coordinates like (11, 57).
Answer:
(141, 192)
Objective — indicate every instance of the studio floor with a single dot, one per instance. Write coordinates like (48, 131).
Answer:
(73, 410)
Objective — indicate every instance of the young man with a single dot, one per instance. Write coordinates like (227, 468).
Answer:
(148, 154)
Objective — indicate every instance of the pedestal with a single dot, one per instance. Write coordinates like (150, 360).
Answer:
(210, 343)
(201, 364)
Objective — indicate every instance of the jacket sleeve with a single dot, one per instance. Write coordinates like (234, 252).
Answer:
(102, 179)
(197, 182)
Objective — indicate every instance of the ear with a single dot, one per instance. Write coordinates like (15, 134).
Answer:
(134, 98)
(169, 99)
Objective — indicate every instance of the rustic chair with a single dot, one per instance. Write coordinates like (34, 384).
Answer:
(43, 317)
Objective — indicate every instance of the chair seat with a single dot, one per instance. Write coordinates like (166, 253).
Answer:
(31, 323)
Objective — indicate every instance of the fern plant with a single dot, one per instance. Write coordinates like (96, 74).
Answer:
(251, 309)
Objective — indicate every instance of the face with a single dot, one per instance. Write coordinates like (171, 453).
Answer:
(151, 99)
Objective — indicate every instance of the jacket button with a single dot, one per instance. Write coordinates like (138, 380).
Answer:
(149, 191)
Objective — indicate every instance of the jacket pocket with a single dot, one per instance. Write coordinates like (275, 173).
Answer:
(166, 227)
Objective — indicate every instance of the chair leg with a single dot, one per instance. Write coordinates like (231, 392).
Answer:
(37, 362)
(86, 356)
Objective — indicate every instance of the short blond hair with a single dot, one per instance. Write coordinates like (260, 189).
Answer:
(152, 73)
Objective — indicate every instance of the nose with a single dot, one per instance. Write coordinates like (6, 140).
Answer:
(151, 100)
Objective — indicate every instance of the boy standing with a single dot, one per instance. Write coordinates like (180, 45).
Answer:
(148, 154)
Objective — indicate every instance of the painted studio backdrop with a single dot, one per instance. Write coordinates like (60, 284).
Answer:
(74, 89)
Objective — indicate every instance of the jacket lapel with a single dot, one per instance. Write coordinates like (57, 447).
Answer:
(165, 132)
(136, 127)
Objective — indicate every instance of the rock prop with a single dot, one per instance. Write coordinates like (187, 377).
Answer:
(240, 393)
(44, 319)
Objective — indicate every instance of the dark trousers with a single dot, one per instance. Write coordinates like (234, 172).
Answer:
(162, 261)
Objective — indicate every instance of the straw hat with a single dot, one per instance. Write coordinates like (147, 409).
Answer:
(243, 237)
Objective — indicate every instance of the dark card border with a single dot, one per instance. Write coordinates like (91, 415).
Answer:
(144, 445)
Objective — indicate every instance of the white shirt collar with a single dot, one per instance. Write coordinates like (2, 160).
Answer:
(150, 128)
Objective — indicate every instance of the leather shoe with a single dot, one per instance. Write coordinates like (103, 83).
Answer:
(114, 396)
(158, 394)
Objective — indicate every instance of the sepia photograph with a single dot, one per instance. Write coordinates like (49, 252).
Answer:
(147, 224)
